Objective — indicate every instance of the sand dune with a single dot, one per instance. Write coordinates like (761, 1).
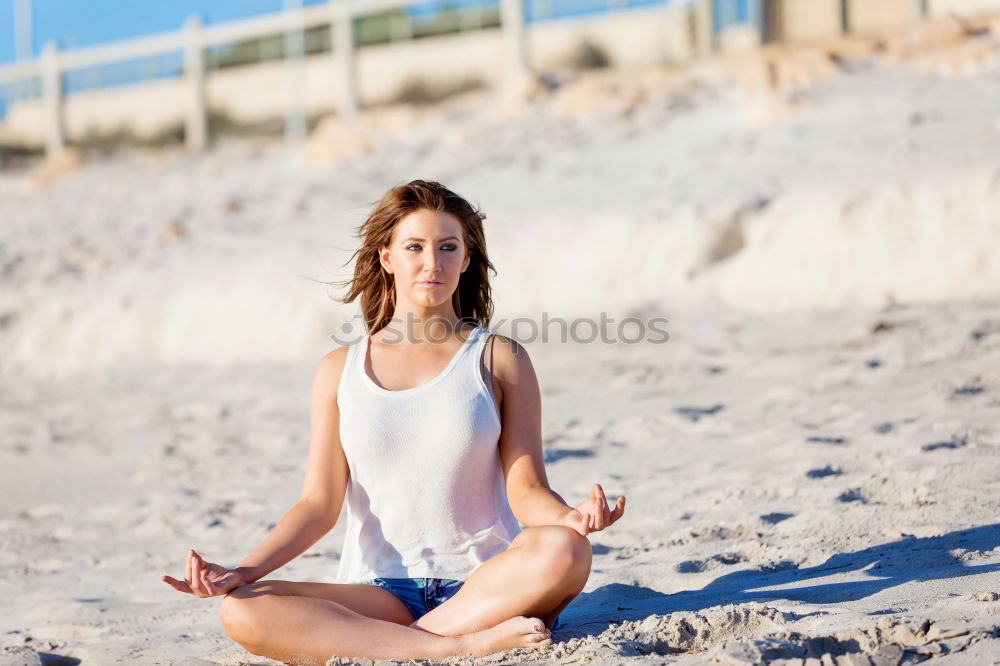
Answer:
(218, 259)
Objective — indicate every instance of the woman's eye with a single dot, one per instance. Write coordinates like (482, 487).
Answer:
(451, 247)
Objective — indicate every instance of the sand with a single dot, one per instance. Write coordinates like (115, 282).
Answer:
(810, 460)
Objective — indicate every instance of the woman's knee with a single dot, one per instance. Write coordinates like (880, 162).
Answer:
(562, 552)
(241, 615)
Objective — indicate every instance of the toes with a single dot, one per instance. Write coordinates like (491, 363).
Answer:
(535, 624)
(525, 625)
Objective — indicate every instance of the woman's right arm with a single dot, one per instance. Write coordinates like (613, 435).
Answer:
(318, 506)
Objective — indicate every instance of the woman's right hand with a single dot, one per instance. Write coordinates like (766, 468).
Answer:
(205, 579)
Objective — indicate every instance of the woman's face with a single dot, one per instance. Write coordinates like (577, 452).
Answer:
(426, 256)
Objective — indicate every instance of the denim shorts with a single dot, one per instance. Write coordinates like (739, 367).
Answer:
(422, 595)
(419, 595)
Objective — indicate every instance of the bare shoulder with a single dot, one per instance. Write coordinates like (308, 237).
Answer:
(511, 362)
(328, 372)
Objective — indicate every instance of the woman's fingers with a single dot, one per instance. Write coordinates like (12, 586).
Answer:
(605, 516)
(179, 585)
(203, 577)
(192, 578)
(619, 509)
(196, 575)
(198, 579)
(598, 515)
(189, 572)
(206, 584)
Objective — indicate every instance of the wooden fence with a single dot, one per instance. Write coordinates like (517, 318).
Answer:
(195, 38)
(774, 19)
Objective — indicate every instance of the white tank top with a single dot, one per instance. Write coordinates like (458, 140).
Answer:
(426, 495)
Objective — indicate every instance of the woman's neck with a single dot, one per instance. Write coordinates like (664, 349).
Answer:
(420, 325)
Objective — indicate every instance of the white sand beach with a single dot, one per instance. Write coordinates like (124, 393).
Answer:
(811, 459)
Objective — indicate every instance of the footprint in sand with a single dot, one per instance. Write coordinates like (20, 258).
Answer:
(823, 472)
(827, 440)
(853, 495)
(697, 413)
(956, 442)
(967, 390)
(601, 549)
(720, 559)
(988, 327)
(555, 455)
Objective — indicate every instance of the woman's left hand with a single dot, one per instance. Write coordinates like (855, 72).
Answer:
(594, 514)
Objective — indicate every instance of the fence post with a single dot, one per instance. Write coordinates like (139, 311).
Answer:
(295, 49)
(342, 30)
(514, 38)
(52, 94)
(755, 17)
(704, 31)
(196, 125)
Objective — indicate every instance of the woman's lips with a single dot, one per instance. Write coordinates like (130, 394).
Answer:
(430, 283)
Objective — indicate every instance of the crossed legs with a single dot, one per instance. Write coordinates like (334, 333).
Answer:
(502, 605)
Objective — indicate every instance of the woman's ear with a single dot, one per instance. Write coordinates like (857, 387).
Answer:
(468, 260)
(383, 258)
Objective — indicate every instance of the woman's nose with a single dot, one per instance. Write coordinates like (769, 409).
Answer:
(431, 260)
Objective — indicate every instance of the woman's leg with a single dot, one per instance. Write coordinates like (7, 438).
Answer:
(307, 623)
(538, 575)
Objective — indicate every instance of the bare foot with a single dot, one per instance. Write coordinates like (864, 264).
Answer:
(514, 633)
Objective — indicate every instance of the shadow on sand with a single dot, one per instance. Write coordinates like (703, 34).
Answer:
(887, 565)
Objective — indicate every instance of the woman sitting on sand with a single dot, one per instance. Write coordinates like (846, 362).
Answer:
(430, 426)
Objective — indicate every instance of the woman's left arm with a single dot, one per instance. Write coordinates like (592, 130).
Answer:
(531, 500)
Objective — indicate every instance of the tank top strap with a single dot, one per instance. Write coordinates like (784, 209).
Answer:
(478, 360)
(360, 349)
(346, 375)
(475, 347)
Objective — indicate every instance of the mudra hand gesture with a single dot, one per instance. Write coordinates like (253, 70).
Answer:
(205, 579)
(594, 514)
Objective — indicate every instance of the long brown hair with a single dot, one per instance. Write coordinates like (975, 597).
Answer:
(472, 299)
